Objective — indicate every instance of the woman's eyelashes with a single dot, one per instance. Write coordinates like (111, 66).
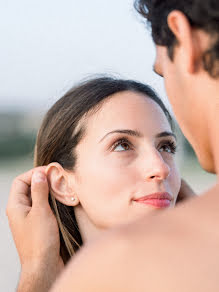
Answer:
(123, 144)
(168, 146)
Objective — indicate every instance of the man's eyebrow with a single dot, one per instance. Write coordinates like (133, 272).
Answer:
(165, 134)
(124, 131)
(155, 71)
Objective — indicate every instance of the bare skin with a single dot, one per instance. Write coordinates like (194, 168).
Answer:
(36, 257)
(176, 250)
(39, 251)
(32, 222)
(179, 256)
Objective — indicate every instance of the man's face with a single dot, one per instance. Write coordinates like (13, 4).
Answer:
(176, 87)
(184, 92)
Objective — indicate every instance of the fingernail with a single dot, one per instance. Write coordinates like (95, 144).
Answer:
(39, 176)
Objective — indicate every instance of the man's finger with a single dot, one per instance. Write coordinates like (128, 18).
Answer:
(39, 189)
(20, 191)
(185, 192)
(22, 183)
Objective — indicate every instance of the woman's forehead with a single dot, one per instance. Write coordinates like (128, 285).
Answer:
(126, 110)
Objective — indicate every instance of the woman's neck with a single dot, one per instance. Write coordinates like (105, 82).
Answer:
(88, 230)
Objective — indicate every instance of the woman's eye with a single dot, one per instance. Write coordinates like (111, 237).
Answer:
(169, 147)
(165, 148)
(121, 146)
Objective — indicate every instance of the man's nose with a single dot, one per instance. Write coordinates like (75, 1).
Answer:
(156, 168)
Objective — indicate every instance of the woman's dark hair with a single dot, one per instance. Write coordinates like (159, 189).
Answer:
(203, 14)
(60, 133)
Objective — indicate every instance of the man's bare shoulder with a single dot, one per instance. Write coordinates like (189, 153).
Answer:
(172, 251)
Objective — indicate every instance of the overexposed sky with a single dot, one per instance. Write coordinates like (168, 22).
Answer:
(48, 45)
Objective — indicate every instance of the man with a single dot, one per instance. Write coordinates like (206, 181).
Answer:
(175, 250)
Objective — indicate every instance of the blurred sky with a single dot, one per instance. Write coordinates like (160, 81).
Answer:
(48, 45)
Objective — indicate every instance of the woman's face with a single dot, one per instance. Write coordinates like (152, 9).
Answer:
(127, 154)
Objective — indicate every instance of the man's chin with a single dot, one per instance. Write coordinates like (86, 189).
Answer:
(206, 162)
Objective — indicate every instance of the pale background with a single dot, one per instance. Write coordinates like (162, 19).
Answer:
(47, 46)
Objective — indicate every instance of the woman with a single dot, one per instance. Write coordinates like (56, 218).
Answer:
(110, 148)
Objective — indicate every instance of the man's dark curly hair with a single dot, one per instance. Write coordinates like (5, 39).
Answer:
(203, 14)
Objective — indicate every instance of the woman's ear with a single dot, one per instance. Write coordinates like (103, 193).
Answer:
(60, 184)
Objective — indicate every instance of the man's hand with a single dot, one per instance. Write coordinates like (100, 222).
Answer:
(185, 192)
(35, 231)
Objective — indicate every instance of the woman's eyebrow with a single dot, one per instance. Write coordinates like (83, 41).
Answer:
(165, 134)
(124, 131)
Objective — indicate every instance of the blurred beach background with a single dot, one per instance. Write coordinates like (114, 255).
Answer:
(47, 47)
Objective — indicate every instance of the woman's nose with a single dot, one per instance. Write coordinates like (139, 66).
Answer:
(157, 168)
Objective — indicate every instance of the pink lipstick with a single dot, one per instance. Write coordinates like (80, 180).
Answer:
(157, 200)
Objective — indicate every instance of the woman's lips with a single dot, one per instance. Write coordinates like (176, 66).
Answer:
(157, 200)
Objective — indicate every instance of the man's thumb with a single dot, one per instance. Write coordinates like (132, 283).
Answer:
(39, 189)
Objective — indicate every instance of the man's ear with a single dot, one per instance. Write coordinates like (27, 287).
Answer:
(60, 183)
(186, 39)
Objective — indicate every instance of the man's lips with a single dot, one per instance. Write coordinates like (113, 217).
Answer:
(157, 200)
